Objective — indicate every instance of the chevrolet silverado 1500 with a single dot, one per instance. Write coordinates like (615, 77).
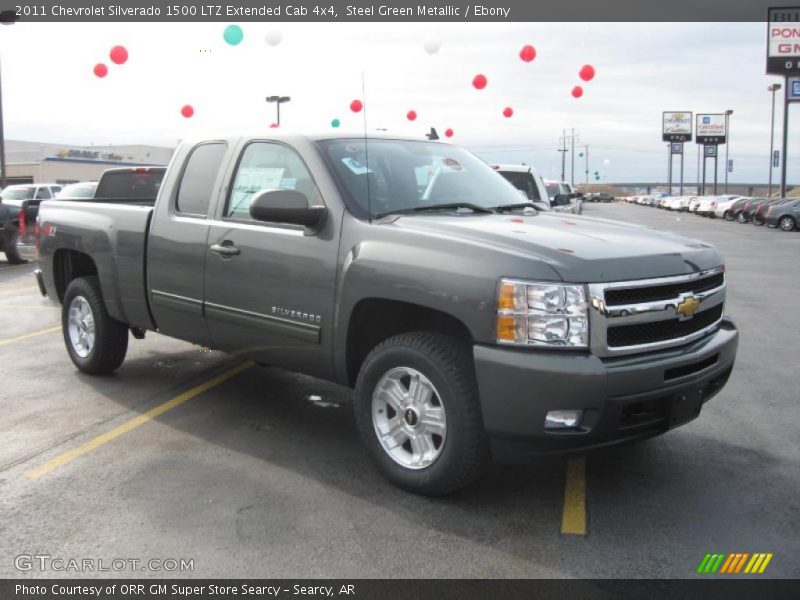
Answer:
(470, 325)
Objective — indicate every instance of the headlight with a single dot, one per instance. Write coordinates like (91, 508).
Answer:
(542, 314)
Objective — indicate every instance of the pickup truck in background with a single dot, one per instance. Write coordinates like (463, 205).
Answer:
(470, 326)
(528, 181)
(13, 199)
(121, 185)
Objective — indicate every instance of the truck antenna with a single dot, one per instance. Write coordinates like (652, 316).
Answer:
(366, 146)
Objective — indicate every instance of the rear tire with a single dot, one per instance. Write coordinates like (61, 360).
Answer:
(96, 342)
(728, 216)
(412, 389)
(10, 248)
(741, 218)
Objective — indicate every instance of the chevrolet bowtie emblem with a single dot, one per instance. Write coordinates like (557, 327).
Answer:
(686, 307)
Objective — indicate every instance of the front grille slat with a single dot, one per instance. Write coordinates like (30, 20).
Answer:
(660, 331)
(623, 296)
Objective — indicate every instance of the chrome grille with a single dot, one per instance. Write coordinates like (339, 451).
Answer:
(641, 316)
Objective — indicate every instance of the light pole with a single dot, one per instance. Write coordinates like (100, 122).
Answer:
(773, 88)
(728, 113)
(7, 17)
(278, 101)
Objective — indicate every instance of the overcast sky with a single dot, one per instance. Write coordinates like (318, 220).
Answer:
(51, 95)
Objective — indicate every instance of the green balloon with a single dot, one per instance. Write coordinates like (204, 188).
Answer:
(335, 123)
(580, 155)
(233, 34)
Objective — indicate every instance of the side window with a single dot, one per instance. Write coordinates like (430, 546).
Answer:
(197, 182)
(268, 166)
(43, 193)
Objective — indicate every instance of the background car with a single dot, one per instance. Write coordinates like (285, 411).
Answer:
(528, 181)
(12, 199)
(680, 203)
(561, 196)
(785, 217)
(29, 211)
(722, 210)
(758, 216)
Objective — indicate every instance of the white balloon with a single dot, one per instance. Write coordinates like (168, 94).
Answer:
(607, 161)
(274, 37)
(432, 45)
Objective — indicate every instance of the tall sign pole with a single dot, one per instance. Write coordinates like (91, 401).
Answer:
(783, 58)
(676, 128)
(711, 131)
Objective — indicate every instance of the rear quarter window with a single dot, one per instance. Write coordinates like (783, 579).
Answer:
(197, 181)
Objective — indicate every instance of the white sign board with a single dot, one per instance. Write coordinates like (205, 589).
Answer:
(677, 126)
(783, 41)
(710, 129)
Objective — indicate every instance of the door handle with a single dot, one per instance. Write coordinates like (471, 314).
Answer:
(226, 248)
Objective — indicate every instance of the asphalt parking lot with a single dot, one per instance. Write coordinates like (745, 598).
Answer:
(255, 472)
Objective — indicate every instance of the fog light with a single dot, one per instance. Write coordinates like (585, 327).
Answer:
(562, 419)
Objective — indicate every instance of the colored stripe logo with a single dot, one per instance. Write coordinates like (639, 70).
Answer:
(734, 563)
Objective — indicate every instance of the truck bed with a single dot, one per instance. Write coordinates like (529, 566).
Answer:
(114, 236)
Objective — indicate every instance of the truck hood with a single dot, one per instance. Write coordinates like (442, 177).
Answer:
(579, 249)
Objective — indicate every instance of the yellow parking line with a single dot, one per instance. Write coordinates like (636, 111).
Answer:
(70, 455)
(573, 520)
(25, 336)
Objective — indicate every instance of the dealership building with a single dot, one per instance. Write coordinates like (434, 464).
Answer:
(36, 162)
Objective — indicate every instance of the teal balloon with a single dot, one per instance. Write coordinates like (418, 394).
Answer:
(335, 123)
(233, 34)
(580, 155)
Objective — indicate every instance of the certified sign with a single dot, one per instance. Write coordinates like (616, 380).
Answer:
(677, 126)
(783, 41)
(711, 129)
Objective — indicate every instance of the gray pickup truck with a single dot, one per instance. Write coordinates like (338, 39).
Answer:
(470, 325)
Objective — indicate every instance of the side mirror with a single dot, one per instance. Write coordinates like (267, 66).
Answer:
(287, 206)
(561, 199)
(579, 194)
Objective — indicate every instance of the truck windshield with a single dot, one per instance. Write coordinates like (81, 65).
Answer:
(18, 193)
(386, 176)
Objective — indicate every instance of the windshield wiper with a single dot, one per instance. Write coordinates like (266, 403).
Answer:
(521, 205)
(430, 207)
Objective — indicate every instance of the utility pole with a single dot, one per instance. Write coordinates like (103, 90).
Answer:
(563, 151)
(586, 156)
(572, 169)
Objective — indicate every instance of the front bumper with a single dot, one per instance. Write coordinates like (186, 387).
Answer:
(623, 398)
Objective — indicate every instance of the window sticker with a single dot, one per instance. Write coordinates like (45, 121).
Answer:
(355, 166)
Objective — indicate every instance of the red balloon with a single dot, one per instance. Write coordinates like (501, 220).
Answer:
(273, 126)
(118, 55)
(100, 70)
(577, 91)
(187, 110)
(528, 53)
(479, 82)
(411, 115)
(448, 132)
(356, 106)
(508, 112)
(587, 72)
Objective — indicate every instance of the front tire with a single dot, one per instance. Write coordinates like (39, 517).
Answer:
(741, 217)
(728, 216)
(10, 248)
(96, 342)
(418, 414)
